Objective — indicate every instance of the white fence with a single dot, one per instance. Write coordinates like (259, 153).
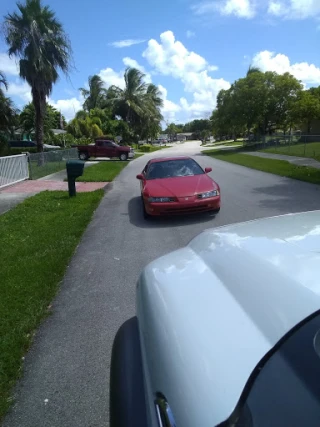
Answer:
(13, 169)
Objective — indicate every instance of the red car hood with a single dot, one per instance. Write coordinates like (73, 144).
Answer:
(184, 186)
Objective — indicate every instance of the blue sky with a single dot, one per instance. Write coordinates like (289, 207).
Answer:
(190, 48)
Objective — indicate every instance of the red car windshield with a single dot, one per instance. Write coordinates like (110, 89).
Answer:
(173, 169)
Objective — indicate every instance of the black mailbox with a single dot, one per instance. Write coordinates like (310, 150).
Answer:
(74, 169)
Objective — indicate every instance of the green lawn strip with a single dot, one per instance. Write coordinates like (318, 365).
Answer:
(48, 168)
(277, 167)
(151, 148)
(37, 239)
(104, 171)
(310, 150)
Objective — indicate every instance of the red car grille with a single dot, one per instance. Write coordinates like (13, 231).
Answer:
(189, 209)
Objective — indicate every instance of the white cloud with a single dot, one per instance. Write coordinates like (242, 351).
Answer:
(20, 90)
(294, 9)
(239, 8)
(126, 43)
(8, 65)
(169, 108)
(68, 107)
(309, 74)
(190, 34)
(111, 77)
(171, 58)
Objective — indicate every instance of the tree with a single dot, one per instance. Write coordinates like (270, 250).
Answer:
(128, 103)
(87, 125)
(3, 81)
(252, 70)
(8, 112)
(258, 103)
(151, 116)
(37, 38)
(307, 108)
(95, 96)
(138, 104)
(172, 130)
(27, 120)
(287, 91)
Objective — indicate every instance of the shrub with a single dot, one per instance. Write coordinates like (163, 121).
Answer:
(4, 148)
(145, 148)
(148, 148)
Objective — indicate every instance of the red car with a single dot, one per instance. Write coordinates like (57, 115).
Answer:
(177, 185)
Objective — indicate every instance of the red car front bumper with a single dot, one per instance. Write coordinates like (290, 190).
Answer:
(186, 205)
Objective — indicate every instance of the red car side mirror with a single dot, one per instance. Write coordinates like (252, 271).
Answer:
(207, 170)
(140, 176)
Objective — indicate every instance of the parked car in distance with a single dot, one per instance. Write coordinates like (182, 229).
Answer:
(31, 144)
(159, 142)
(105, 148)
(226, 333)
(177, 185)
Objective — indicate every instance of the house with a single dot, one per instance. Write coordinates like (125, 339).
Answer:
(58, 131)
(314, 134)
(184, 136)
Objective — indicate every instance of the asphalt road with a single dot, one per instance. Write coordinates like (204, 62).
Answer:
(66, 373)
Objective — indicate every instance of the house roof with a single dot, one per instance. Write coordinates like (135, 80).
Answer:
(58, 131)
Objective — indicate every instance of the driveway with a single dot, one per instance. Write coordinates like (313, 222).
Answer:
(66, 373)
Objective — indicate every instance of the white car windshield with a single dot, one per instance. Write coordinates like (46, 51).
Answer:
(284, 390)
(173, 169)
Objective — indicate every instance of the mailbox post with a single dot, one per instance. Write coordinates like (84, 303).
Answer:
(74, 170)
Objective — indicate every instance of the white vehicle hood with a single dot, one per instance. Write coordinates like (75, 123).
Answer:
(210, 312)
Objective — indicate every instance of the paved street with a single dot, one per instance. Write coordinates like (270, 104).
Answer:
(66, 376)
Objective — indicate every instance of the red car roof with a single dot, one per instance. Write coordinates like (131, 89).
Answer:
(164, 159)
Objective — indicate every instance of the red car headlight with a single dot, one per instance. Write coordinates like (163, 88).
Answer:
(208, 194)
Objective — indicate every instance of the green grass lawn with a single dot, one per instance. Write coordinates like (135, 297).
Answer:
(104, 171)
(150, 148)
(311, 150)
(277, 167)
(37, 238)
(48, 168)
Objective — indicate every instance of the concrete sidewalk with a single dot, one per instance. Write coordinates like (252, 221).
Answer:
(298, 161)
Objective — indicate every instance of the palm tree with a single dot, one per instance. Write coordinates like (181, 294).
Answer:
(129, 102)
(3, 81)
(139, 104)
(37, 38)
(8, 112)
(95, 95)
(151, 118)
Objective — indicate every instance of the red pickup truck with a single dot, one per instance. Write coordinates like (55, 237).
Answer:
(105, 148)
